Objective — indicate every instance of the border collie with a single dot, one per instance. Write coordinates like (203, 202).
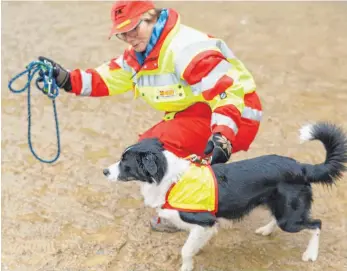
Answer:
(281, 184)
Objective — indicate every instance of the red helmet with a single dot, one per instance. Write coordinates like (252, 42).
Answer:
(126, 15)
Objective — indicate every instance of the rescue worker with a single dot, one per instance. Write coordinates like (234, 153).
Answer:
(207, 95)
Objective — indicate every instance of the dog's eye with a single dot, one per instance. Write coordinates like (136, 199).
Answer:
(126, 169)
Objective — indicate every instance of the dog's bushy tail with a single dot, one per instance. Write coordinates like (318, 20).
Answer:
(335, 143)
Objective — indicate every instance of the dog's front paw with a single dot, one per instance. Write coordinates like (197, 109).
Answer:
(311, 254)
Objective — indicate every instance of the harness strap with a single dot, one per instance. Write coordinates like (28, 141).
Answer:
(197, 160)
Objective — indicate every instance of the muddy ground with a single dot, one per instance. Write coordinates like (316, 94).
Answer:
(66, 216)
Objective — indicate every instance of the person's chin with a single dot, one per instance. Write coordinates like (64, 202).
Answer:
(139, 47)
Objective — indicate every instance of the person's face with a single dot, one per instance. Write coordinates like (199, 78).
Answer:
(138, 37)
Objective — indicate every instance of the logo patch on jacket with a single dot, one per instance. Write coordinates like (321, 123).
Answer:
(166, 93)
(196, 191)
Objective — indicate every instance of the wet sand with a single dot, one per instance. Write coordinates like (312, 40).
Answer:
(67, 217)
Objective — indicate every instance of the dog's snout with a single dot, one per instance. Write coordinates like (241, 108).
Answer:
(106, 172)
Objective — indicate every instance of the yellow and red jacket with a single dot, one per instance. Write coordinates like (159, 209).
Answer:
(185, 66)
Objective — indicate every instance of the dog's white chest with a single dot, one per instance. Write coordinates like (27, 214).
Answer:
(153, 195)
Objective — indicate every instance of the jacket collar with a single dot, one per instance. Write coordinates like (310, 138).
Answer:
(130, 55)
(157, 30)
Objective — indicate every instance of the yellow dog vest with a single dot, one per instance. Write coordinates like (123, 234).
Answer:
(195, 191)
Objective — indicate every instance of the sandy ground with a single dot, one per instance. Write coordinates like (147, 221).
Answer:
(66, 216)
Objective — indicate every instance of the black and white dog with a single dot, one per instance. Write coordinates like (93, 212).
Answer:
(281, 184)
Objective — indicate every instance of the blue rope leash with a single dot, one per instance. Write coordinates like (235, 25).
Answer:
(49, 88)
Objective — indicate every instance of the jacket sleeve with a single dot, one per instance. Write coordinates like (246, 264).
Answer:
(110, 78)
(223, 83)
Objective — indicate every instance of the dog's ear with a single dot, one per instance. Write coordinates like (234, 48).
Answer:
(149, 164)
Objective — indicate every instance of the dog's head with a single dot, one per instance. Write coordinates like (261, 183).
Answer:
(144, 161)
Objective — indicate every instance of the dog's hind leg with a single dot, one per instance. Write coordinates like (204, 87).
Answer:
(268, 228)
(197, 238)
(314, 226)
(291, 208)
(312, 249)
(295, 221)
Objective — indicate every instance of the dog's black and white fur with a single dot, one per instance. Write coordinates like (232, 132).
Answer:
(280, 183)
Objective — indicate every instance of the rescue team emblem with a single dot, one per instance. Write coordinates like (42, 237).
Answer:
(118, 11)
(166, 93)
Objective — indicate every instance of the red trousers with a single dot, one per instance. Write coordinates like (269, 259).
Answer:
(188, 132)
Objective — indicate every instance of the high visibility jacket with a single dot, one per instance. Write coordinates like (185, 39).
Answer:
(195, 191)
(185, 66)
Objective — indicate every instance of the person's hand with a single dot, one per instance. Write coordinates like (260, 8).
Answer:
(61, 75)
(220, 147)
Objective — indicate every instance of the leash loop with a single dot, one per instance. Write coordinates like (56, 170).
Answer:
(49, 88)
